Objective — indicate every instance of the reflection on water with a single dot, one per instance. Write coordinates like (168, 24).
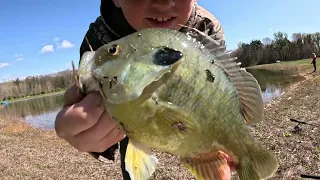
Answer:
(41, 112)
(44, 120)
(273, 83)
(271, 92)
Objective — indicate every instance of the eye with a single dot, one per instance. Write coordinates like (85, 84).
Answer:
(114, 50)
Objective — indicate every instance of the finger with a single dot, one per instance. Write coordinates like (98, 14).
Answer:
(230, 162)
(98, 131)
(72, 96)
(112, 138)
(79, 117)
(89, 110)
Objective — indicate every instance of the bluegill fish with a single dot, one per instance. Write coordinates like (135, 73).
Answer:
(178, 93)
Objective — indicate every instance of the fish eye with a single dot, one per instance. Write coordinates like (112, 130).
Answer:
(114, 50)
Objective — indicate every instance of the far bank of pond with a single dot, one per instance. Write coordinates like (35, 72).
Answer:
(41, 111)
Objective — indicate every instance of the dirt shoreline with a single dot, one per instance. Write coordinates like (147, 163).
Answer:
(30, 153)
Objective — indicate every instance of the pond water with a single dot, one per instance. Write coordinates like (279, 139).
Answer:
(273, 83)
(41, 112)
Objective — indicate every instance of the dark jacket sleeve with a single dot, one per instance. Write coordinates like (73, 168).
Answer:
(93, 40)
(215, 28)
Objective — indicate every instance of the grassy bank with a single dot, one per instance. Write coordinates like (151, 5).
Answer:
(29, 153)
(298, 62)
(302, 67)
(36, 96)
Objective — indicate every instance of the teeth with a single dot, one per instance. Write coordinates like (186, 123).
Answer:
(161, 19)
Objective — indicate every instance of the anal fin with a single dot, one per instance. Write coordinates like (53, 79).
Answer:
(259, 163)
(208, 166)
(139, 162)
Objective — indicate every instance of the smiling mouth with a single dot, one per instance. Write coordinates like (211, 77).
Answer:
(161, 20)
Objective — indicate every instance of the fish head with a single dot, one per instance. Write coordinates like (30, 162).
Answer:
(123, 72)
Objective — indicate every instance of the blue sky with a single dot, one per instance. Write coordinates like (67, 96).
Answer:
(58, 26)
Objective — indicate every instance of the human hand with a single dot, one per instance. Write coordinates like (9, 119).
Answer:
(84, 123)
(230, 162)
(225, 167)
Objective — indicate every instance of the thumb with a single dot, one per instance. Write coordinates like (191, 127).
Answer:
(72, 96)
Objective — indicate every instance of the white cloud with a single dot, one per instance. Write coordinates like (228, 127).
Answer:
(65, 44)
(18, 57)
(47, 48)
(2, 65)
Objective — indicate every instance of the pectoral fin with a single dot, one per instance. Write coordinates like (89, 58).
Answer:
(176, 117)
(140, 164)
(208, 166)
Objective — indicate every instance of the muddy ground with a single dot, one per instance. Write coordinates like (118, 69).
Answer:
(30, 153)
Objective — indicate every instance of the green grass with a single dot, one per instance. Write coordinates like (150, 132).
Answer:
(298, 62)
(36, 96)
(302, 62)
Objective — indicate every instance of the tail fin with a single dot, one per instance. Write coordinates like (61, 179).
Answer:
(260, 163)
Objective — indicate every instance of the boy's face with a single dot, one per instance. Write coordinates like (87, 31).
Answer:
(143, 14)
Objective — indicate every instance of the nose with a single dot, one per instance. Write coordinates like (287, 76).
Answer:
(163, 4)
(166, 56)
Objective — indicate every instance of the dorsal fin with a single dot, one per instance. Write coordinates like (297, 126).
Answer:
(252, 105)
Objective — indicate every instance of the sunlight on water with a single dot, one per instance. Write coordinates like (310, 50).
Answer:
(271, 92)
(43, 121)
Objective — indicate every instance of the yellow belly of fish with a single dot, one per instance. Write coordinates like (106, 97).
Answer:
(160, 129)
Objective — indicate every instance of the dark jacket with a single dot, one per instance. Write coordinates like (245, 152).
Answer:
(112, 25)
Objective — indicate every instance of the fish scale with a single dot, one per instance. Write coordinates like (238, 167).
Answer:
(181, 96)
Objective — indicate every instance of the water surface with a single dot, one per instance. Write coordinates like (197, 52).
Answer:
(274, 83)
(41, 112)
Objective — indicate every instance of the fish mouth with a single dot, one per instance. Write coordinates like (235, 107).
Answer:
(129, 82)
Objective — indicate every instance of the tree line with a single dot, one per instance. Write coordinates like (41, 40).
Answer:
(280, 48)
(36, 85)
